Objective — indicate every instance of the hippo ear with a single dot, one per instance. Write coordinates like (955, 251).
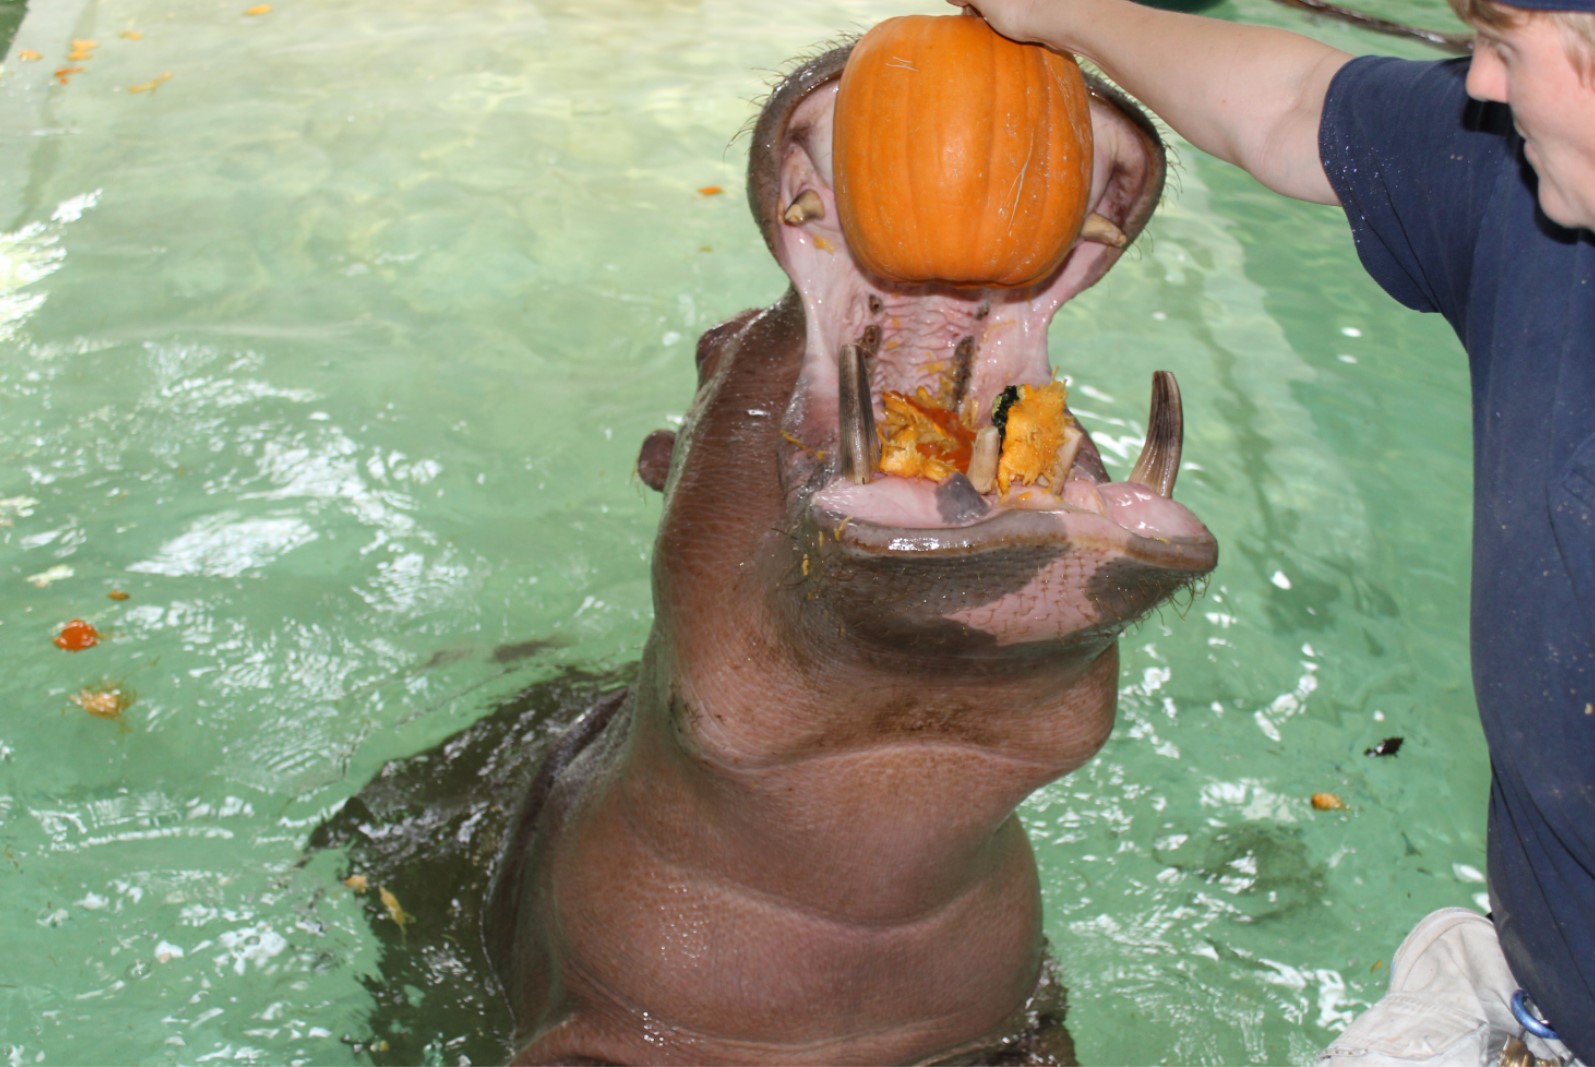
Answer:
(653, 459)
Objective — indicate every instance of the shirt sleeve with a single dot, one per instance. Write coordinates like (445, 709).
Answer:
(1413, 161)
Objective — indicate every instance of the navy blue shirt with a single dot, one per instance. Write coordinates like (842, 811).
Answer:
(1442, 206)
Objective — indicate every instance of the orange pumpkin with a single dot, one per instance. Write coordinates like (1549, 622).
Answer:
(960, 156)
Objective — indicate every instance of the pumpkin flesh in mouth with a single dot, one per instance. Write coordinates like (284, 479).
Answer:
(961, 157)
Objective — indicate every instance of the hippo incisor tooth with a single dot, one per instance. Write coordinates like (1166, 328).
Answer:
(856, 414)
(983, 460)
(1159, 464)
(807, 206)
(1099, 229)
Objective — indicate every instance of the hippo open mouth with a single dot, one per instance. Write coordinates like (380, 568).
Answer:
(960, 552)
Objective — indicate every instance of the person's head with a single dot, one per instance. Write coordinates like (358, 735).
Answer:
(1538, 58)
(1576, 21)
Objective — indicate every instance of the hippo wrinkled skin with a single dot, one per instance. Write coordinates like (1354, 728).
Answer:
(793, 840)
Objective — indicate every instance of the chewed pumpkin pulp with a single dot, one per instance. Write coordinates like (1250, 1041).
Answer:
(921, 438)
(960, 156)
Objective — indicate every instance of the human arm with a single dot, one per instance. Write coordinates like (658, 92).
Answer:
(1250, 95)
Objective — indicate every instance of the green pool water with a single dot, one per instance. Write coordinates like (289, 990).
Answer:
(332, 351)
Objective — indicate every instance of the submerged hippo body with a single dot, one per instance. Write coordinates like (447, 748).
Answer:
(793, 839)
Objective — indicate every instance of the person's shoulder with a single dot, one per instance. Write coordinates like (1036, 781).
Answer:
(1402, 82)
(1407, 109)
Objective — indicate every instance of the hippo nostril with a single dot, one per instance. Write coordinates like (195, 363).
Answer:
(1159, 464)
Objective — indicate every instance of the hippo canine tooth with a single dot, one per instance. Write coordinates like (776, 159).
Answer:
(808, 206)
(1159, 464)
(856, 414)
(1100, 229)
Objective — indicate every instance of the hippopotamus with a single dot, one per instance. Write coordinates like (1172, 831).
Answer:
(793, 838)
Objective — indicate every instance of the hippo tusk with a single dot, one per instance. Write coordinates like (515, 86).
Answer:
(1100, 229)
(807, 206)
(1159, 464)
(856, 413)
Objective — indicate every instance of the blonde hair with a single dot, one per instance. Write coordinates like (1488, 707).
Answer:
(1578, 27)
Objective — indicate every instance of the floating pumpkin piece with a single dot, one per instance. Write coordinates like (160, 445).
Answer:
(960, 156)
(357, 882)
(1039, 438)
(106, 701)
(153, 84)
(65, 73)
(1328, 802)
(77, 635)
(132, 35)
(258, 9)
(710, 190)
(921, 439)
(395, 912)
(28, 55)
(117, 594)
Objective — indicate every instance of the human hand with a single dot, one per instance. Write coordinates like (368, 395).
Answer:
(1017, 19)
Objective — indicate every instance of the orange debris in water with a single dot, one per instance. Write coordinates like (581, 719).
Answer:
(922, 439)
(710, 190)
(106, 701)
(28, 55)
(117, 594)
(395, 912)
(152, 85)
(65, 73)
(357, 882)
(77, 635)
(258, 9)
(132, 35)
(1328, 802)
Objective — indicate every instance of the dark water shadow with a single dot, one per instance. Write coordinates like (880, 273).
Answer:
(423, 835)
(12, 12)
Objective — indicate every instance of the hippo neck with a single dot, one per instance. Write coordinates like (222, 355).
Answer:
(877, 803)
